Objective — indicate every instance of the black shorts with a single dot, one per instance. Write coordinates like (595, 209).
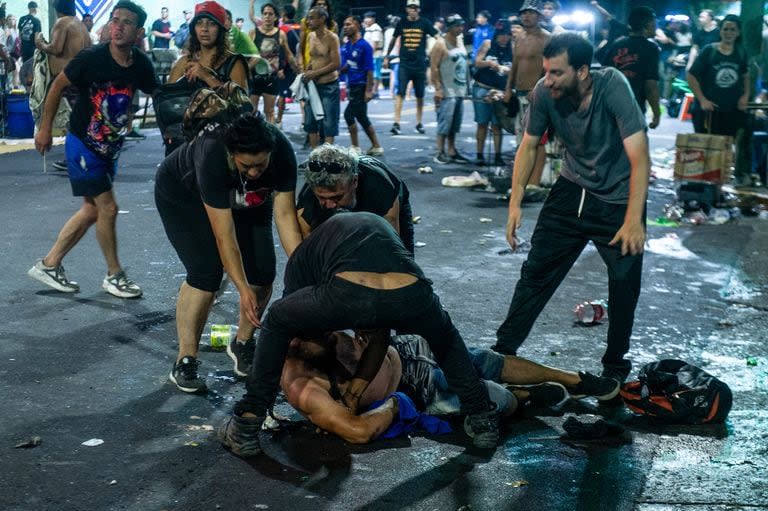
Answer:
(260, 85)
(418, 75)
(189, 231)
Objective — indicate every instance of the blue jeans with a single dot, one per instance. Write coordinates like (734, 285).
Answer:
(329, 95)
(423, 377)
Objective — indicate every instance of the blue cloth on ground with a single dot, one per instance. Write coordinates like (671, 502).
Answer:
(410, 419)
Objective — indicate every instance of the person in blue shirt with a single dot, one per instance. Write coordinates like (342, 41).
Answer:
(357, 64)
(483, 31)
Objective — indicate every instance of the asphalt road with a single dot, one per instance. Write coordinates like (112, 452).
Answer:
(90, 366)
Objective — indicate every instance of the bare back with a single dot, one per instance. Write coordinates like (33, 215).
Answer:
(75, 38)
(320, 50)
(528, 64)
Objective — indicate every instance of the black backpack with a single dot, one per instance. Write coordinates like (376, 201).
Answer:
(677, 392)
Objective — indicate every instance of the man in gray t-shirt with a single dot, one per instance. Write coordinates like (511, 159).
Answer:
(600, 196)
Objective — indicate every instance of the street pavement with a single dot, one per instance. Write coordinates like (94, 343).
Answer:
(89, 366)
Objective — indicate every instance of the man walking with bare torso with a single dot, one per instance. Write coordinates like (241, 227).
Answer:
(68, 37)
(527, 69)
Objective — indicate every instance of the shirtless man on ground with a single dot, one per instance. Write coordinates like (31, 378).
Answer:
(527, 69)
(323, 69)
(68, 37)
(317, 372)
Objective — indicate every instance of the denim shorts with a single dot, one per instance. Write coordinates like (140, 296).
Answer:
(484, 112)
(422, 375)
(89, 174)
(329, 95)
(449, 116)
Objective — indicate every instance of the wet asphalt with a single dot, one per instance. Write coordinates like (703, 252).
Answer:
(90, 366)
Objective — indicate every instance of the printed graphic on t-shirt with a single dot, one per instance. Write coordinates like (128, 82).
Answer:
(726, 75)
(27, 30)
(110, 106)
(412, 38)
(243, 198)
(624, 62)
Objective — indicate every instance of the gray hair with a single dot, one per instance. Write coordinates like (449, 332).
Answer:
(329, 166)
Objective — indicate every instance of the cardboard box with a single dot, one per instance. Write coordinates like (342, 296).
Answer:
(700, 157)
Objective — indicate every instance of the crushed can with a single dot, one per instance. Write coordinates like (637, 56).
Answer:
(591, 313)
(221, 335)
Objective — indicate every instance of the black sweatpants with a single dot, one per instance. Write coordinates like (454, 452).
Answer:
(313, 311)
(562, 232)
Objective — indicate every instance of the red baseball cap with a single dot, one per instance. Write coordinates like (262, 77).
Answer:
(212, 10)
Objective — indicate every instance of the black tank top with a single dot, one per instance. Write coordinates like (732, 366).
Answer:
(490, 78)
(269, 47)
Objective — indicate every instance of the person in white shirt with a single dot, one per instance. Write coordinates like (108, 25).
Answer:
(374, 36)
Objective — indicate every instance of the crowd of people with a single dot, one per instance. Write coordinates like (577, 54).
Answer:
(349, 234)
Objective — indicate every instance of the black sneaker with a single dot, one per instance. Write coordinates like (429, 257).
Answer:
(241, 354)
(498, 161)
(60, 165)
(241, 435)
(441, 158)
(395, 129)
(134, 135)
(542, 395)
(420, 129)
(184, 375)
(601, 387)
(483, 428)
(459, 158)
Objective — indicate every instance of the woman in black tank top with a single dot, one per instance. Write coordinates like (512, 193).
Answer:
(273, 48)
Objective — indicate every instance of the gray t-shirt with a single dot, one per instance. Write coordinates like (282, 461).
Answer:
(594, 152)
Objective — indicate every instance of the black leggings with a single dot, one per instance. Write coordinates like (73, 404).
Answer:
(189, 231)
(357, 108)
(314, 310)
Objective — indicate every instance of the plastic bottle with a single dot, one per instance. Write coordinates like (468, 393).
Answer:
(591, 313)
(221, 336)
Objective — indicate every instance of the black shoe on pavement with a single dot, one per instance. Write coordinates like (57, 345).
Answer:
(241, 354)
(420, 129)
(60, 165)
(459, 158)
(483, 428)
(601, 387)
(241, 435)
(441, 158)
(542, 395)
(184, 375)
(480, 160)
(395, 129)
(134, 135)
(498, 161)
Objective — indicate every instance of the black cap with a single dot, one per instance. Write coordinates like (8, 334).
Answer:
(32, 5)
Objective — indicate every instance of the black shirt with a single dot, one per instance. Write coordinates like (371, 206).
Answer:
(164, 27)
(377, 190)
(201, 170)
(28, 26)
(638, 59)
(105, 94)
(413, 43)
(721, 76)
(502, 55)
(348, 241)
(703, 38)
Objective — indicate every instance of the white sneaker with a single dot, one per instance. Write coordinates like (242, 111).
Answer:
(54, 277)
(121, 286)
(355, 149)
(375, 151)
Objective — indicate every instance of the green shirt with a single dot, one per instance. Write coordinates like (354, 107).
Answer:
(241, 43)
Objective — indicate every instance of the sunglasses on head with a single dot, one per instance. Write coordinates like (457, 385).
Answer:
(329, 167)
